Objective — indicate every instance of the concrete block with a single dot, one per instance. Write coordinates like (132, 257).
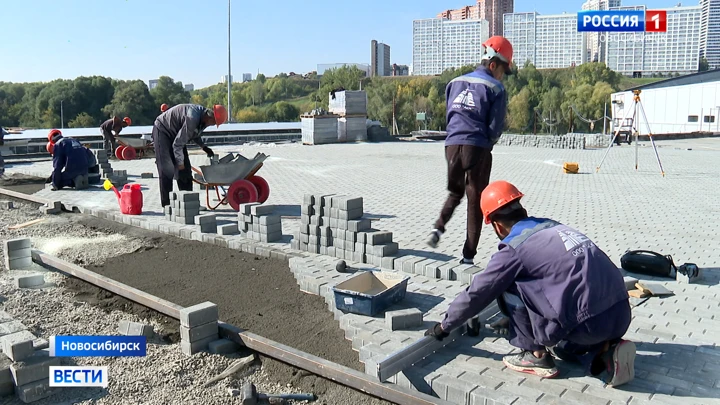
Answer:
(36, 390)
(466, 275)
(246, 209)
(361, 237)
(259, 210)
(18, 264)
(271, 237)
(319, 210)
(189, 206)
(326, 231)
(205, 219)
(5, 374)
(408, 265)
(308, 199)
(6, 205)
(186, 196)
(208, 228)
(267, 220)
(17, 244)
(630, 283)
(350, 236)
(295, 244)
(350, 214)
(378, 238)
(168, 210)
(223, 346)
(199, 332)
(387, 262)
(146, 175)
(359, 257)
(199, 314)
(330, 251)
(7, 389)
(387, 249)
(277, 227)
(189, 220)
(34, 368)
(307, 210)
(33, 280)
(128, 328)
(18, 254)
(360, 247)
(326, 200)
(228, 229)
(403, 318)
(18, 351)
(190, 348)
(358, 225)
(12, 327)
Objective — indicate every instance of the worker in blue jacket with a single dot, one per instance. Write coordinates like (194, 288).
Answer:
(561, 294)
(70, 160)
(476, 108)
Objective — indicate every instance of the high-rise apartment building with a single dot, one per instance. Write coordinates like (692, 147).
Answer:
(246, 77)
(440, 44)
(710, 32)
(189, 87)
(642, 53)
(380, 59)
(546, 41)
(224, 79)
(400, 70)
(596, 50)
(153, 83)
(490, 10)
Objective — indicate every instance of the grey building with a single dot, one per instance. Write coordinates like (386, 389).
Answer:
(380, 59)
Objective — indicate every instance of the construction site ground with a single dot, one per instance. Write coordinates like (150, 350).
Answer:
(403, 186)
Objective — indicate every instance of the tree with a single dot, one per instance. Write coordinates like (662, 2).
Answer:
(83, 120)
(519, 111)
(250, 114)
(283, 111)
(170, 92)
(133, 99)
(257, 92)
(703, 65)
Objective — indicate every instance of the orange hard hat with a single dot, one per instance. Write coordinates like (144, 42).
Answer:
(50, 147)
(498, 47)
(164, 107)
(497, 195)
(127, 121)
(220, 114)
(52, 134)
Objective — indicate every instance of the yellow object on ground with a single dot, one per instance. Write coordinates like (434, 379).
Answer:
(107, 185)
(571, 167)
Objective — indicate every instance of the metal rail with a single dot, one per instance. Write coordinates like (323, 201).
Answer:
(316, 365)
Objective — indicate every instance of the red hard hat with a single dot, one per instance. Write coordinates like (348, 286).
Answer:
(50, 147)
(498, 47)
(52, 134)
(164, 107)
(497, 195)
(127, 121)
(220, 114)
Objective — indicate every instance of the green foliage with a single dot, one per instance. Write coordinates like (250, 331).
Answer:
(703, 66)
(532, 95)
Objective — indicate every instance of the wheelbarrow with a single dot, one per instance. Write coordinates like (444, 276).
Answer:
(235, 176)
(132, 148)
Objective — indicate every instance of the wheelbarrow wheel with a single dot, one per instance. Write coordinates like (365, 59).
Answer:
(119, 152)
(262, 186)
(241, 192)
(129, 153)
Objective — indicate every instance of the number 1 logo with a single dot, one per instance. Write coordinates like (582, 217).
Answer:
(656, 21)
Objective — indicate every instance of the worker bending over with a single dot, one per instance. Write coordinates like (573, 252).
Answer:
(558, 289)
(171, 133)
(476, 109)
(70, 160)
(114, 124)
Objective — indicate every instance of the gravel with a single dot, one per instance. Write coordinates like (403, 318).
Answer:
(165, 375)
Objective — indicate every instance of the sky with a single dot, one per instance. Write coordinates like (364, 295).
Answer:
(43, 40)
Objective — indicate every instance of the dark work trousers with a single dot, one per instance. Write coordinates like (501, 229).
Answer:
(583, 343)
(110, 143)
(468, 173)
(167, 166)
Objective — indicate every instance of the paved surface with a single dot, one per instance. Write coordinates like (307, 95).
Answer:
(619, 208)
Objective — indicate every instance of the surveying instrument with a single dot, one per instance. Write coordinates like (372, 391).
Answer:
(636, 109)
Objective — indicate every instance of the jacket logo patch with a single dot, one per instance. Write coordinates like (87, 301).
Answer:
(464, 100)
(572, 239)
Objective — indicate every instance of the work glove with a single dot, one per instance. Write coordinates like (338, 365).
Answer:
(437, 332)
(209, 151)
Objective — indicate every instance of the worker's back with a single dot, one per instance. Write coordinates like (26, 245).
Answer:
(71, 156)
(566, 278)
(174, 118)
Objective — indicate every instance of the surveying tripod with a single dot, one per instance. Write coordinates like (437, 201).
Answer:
(637, 108)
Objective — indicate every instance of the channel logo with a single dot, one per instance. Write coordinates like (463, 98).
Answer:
(78, 376)
(622, 21)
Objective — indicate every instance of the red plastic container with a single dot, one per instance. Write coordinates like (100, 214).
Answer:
(131, 199)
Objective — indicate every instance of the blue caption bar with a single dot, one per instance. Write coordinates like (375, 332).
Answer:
(611, 21)
(98, 346)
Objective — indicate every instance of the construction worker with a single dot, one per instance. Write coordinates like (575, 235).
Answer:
(476, 107)
(559, 291)
(114, 124)
(70, 160)
(171, 132)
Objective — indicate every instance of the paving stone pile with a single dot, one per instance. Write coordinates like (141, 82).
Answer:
(257, 222)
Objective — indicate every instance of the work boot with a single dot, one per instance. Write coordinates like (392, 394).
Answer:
(467, 261)
(619, 362)
(526, 362)
(434, 238)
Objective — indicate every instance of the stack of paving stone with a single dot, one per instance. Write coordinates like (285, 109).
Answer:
(101, 156)
(198, 327)
(118, 178)
(17, 253)
(257, 222)
(333, 225)
(183, 208)
(207, 222)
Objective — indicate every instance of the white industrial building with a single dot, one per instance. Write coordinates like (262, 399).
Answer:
(440, 44)
(678, 105)
(546, 41)
(644, 53)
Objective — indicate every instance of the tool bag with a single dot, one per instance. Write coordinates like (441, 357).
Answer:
(648, 263)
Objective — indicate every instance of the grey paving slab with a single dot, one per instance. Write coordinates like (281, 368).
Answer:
(619, 208)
